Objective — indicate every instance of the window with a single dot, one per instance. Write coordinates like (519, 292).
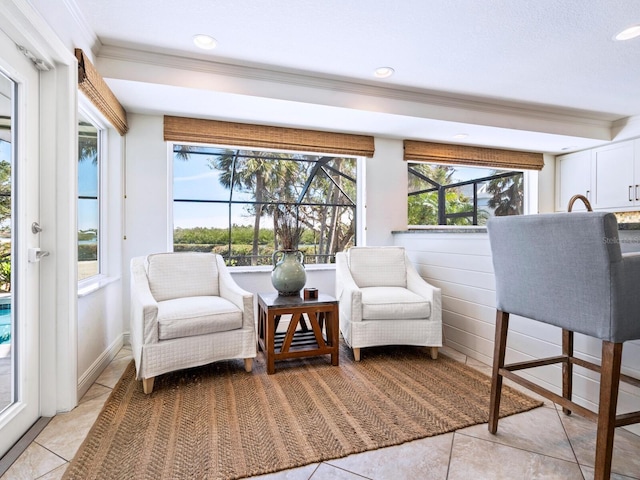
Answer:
(88, 198)
(224, 201)
(458, 195)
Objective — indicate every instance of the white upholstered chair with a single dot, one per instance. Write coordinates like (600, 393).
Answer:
(187, 311)
(384, 300)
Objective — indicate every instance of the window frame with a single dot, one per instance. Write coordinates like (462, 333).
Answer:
(529, 187)
(359, 209)
(92, 115)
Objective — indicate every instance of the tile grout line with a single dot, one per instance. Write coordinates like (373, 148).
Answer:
(22, 444)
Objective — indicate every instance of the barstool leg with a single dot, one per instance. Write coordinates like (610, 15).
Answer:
(567, 367)
(499, 350)
(609, 382)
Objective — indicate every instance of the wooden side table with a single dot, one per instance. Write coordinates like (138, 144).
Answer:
(320, 337)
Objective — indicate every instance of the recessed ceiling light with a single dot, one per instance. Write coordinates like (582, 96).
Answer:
(628, 33)
(461, 135)
(383, 72)
(205, 42)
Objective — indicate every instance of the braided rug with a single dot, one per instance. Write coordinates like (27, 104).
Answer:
(220, 422)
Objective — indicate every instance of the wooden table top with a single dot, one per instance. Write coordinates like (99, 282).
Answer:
(272, 299)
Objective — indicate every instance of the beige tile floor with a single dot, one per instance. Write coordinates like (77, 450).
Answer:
(540, 444)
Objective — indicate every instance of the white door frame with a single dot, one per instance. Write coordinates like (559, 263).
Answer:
(24, 408)
(58, 159)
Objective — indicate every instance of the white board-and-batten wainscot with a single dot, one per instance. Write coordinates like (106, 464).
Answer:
(458, 261)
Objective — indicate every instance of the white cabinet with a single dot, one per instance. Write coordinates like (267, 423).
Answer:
(616, 172)
(608, 176)
(573, 177)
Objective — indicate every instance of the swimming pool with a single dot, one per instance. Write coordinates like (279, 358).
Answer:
(5, 324)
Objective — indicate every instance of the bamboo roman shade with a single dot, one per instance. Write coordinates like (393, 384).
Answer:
(472, 156)
(180, 129)
(91, 83)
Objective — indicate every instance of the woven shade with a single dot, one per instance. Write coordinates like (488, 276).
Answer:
(472, 156)
(91, 83)
(180, 129)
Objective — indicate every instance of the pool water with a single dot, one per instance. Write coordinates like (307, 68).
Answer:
(5, 325)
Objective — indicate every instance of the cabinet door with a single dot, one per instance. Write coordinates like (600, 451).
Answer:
(573, 174)
(613, 169)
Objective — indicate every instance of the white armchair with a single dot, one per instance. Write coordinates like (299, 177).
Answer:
(187, 311)
(384, 301)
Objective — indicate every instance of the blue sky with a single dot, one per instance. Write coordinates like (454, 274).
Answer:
(88, 211)
(193, 179)
(468, 173)
(5, 151)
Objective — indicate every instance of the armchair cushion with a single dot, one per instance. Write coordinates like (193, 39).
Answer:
(178, 275)
(384, 303)
(190, 316)
(378, 266)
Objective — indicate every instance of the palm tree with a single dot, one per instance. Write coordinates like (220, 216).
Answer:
(87, 142)
(333, 186)
(257, 173)
(423, 207)
(508, 198)
(182, 152)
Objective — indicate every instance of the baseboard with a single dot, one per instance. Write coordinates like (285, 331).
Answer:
(91, 375)
(126, 338)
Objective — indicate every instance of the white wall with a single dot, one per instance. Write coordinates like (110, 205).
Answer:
(546, 186)
(146, 188)
(386, 192)
(147, 196)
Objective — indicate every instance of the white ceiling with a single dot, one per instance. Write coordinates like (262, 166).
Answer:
(537, 75)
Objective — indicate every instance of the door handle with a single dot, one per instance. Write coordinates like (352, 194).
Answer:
(637, 197)
(630, 197)
(36, 228)
(35, 255)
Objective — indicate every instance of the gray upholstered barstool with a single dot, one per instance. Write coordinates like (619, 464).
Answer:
(566, 270)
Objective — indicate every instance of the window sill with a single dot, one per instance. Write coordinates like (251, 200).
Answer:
(269, 268)
(443, 229)
(93, 284)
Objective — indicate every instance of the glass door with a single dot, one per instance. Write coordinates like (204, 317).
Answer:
(19, 242)
(6, 318)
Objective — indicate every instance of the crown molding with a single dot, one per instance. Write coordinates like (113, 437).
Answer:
(626, 128)
(557, 115)
(83, 26)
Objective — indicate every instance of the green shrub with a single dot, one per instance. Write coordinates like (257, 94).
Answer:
(87, 252)
(194, 247)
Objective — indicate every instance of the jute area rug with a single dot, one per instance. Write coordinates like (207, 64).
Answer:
(219, 422)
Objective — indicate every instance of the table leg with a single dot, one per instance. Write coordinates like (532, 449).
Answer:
(270, 329)
(333, 335)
